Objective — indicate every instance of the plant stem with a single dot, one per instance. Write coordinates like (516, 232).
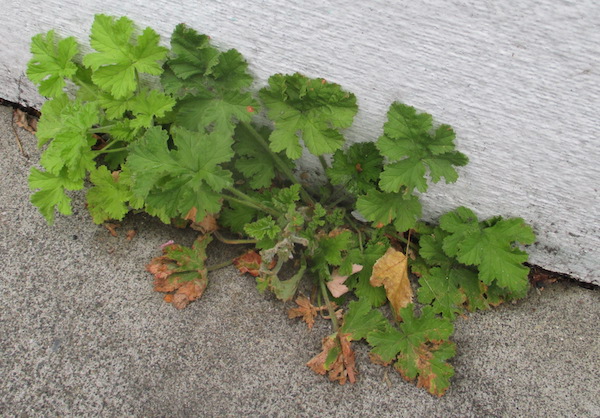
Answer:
(400, 238)
(281, 165)
(100, 129)
(233, 241)
(336, 201)
(219, 266)
(104, 151)
(325, 167)
(85, 86)
(246, 200)
(241, 202)
(323, 164)
(334, 320)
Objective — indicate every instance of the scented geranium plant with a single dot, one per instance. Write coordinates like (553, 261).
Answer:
(174, 132)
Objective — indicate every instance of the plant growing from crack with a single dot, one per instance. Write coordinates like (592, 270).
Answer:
(174, 132)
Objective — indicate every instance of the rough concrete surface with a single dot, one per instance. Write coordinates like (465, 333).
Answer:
(82, 333)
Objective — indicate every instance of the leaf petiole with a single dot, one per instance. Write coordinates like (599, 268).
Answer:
(233, 241)
(105, 151)
(101, 129)
(246, 200)
(219, 265)
(334, 320)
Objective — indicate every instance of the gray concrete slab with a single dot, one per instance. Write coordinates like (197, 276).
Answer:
(82, 333)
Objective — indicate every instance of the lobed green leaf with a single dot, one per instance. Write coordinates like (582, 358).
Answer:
(51, 63)
(413, 151)
(119, 60)
(308, 109)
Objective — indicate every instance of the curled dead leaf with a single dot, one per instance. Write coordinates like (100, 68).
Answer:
(112, 228)
(188, 292)
(340, 368)
(207, 225)
(181, 272)
(25, 121)
(249, 262)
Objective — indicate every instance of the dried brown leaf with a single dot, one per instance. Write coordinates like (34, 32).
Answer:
(188, 292)
(336, 285)
(130, 234)
(207, 225)
(112, 228)
(391, 271)
(305, 310)
(23, 120)
(343, 367)
(248, 262)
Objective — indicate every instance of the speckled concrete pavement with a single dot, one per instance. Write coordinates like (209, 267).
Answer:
(82, 333)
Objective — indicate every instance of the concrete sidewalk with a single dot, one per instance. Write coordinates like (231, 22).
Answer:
(82, 333)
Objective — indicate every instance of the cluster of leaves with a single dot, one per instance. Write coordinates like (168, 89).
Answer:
(173, 132)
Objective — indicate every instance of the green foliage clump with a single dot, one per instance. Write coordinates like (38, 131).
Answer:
(175, 132)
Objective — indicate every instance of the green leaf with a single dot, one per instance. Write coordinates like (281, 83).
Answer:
(210, 83)
(285, 199)
(215, 111)
(413, 150)
(52, 192)
(491, 246)
(189, 262)
(428, 363)
(440, 288)
(310, 109)
(119, 60)
(431, 248)
(174, 181)
(357, 169)
(361, 319)
(235, 216)
(192, 53)
(143, 107)
(385, 208)
(131, 114)
(330, 248)
(51, 63)
(230, 72)
(286, 289)
(71, 143)
(263, 228)
(255, 163)
(109, 196)
(50, 123)
(419, 347)
(363, 289)
(409, 173)
(386, 343)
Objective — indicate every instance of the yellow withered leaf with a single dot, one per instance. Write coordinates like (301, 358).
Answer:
(391, 271)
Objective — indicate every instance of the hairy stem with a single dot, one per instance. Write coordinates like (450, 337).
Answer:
(233, 241)
(357, 230)
(246, 200)
(100, 129)
(85, 86)
(323, 164)
(219, 265)
(105, 151)
(334, 320)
